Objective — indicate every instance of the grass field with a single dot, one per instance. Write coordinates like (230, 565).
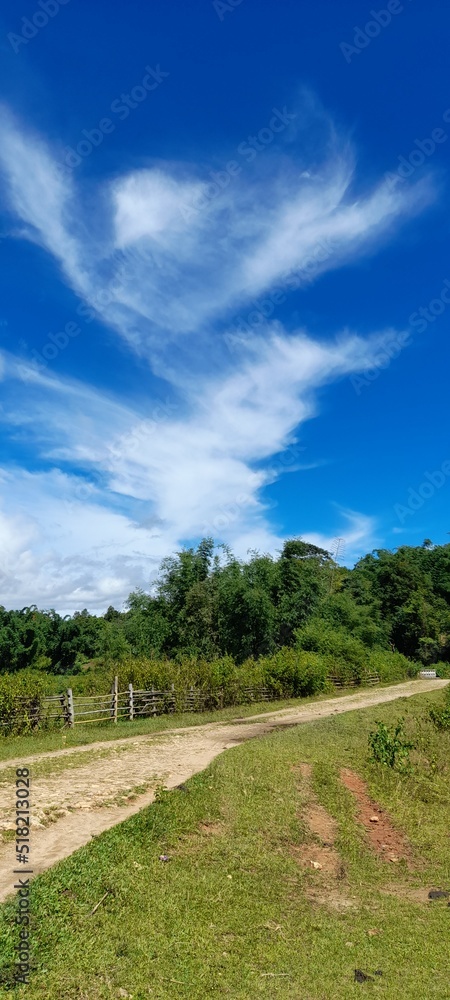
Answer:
(229, 915)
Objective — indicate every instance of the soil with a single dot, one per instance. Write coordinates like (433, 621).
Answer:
(322, 829)
(69, 807)
(324, 871)
(417, 895)
(388, 842)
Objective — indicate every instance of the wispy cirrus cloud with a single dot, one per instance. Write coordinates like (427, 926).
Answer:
(169, 273)
(171, 280)
(119, 491)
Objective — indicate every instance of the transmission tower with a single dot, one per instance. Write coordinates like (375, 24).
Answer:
(337, 553)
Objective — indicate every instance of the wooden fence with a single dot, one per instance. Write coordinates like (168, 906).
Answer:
(135, 703)
(67, 710)
(368, 681)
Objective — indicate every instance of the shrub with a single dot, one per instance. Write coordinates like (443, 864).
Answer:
(345, 656)
(442, 669)
(392, 666)
(440, 717)
(291, 672)
(294, 673)
(20, 700)
(389, 747)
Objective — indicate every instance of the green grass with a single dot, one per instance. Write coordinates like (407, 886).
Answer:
(227, 916)
(59, 739)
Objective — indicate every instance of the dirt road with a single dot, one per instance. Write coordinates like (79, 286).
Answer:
(79, 792)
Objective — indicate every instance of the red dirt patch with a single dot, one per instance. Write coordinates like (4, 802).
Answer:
(321, 824)
(389, 843)
(310, 855)
(318, 854)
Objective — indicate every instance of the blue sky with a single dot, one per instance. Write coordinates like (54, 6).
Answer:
(224, 255)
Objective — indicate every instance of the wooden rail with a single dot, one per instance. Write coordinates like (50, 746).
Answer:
(69, 710)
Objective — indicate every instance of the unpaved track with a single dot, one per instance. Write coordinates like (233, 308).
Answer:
(113, 768)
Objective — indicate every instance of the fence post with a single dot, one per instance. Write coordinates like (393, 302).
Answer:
(70, 708)
(114, 699)
(130, 702)
(35, 714)
(172, 688)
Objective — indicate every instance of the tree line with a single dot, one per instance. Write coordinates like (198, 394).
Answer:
(207, 603)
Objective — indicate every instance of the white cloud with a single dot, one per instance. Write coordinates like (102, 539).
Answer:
(38, 196)
(142, 485)
(167, 272)
(167, 280)
(64, 548)
(149, 203)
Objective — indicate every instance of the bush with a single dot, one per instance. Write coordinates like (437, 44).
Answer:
(294, 673)
(288, 673)
(440, 717)
(442, 669)
(389, 747)
(347, 657)
(20, 701)
(392, 666)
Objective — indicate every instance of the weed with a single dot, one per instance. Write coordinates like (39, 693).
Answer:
(440, 717)
(389, 746)
(160, 793)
